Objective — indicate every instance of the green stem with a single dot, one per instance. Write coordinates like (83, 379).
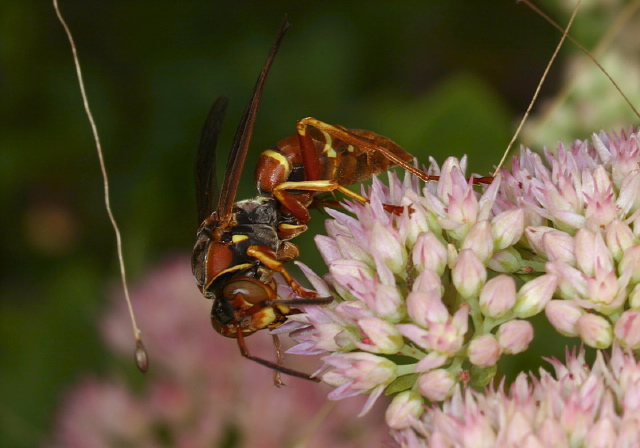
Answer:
(406, 369)
(413, 352)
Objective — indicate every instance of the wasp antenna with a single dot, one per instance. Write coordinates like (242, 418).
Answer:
(140, 353)
(565, 33)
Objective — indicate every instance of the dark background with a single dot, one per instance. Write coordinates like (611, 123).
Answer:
(439, 78)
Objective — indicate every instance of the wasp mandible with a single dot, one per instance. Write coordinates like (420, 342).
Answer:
(241, 245)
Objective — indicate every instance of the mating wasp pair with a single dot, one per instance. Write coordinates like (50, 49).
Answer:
(241, 245)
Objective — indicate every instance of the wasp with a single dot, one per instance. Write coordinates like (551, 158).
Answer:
(241, 245)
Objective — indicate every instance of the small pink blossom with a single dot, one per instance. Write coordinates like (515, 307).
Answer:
(564, 316)
(484, 351)
(634, 297)
(379, 336)
(535, 237)
(559, 246)
(619, 237)
(571, 282)
(515, 336)
(498, 296)
(351, 274)
(405, 408)
(429, 253)
(480, 240)
(534, 296)
(592, 254)
(436, 385)
(630, 263)
(441, 337)
(424, 302)
(627, 330)
(322, 332)
(386, 245)
(468, 274)
(508, 261)
(595, 330)
(357, 373)
(507, 228)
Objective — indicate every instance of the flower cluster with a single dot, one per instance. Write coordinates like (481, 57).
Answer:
(583, 222)
(430, 299)
(420, 305)
(579, 406)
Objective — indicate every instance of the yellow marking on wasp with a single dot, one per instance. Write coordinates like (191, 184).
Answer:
(264, 318)
(279, 157)
(235, 239)
(350, 148)
(328, 149)
(286, 226)
(238, 267)
(284, 309)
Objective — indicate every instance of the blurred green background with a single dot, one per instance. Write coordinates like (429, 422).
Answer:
(440, 78)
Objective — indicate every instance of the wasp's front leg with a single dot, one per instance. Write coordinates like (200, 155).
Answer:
(287, 194)
(269, 258)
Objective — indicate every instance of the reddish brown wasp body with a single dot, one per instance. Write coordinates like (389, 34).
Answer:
(241, 245)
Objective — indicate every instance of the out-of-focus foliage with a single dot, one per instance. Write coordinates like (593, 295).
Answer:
(439, 78)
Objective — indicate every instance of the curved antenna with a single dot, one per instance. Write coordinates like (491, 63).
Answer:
(241, 140)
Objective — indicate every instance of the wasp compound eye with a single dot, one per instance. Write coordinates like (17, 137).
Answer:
(252, 291)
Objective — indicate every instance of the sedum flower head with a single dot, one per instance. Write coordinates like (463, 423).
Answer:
(436, 295)
(418, 304)
(582, 211)
(578, 406)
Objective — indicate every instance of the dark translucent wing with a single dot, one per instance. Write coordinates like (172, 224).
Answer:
(242, 138)
(205, 170)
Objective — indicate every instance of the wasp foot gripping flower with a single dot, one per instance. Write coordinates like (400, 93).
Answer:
(420, 305)
(578, 406)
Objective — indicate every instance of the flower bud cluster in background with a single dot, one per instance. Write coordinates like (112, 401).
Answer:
(577, 406)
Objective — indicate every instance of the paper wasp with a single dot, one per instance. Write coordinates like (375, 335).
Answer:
(241, 245)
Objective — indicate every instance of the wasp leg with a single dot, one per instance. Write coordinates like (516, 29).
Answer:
(277, 381)
(316, 186)
(270, 364)
(269, 258)
(483, 180)
(288, 232)
(287, 252)
(281, 193)
(300, 210)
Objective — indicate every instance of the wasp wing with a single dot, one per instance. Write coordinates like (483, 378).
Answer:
(205, 170)
(241, 140)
